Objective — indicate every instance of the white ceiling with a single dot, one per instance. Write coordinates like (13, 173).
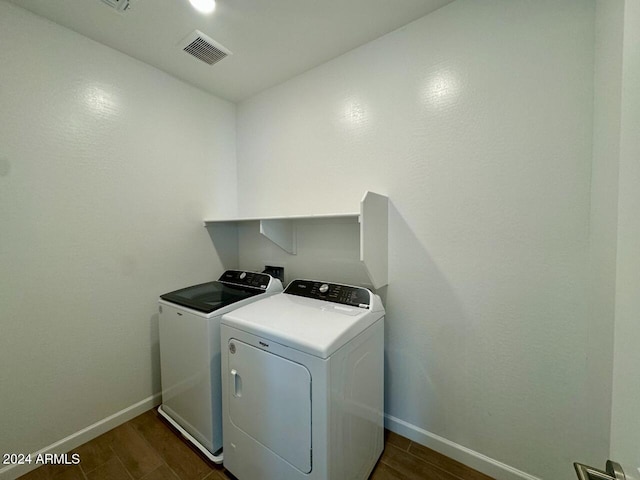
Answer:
(271, 40)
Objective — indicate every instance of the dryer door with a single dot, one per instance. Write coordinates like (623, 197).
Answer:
(270, 400)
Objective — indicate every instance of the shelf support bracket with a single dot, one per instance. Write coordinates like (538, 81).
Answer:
(280, 232)
(374, 237)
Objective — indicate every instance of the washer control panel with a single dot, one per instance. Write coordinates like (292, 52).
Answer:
(246, 279)
(331, 292)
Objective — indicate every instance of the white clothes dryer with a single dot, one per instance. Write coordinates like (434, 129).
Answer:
(189, 328)
(302, 383)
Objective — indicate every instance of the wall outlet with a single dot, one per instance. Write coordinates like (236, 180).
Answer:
(277, 272)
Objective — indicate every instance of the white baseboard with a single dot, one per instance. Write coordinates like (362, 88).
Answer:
(473, 459)
(80, 437)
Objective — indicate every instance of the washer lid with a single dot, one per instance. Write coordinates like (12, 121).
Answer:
(316, 327)
(232, 287)
(208, 297)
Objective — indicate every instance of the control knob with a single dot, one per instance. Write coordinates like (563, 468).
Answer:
(324, 288)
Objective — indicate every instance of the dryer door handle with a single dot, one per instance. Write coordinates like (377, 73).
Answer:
(236, 383)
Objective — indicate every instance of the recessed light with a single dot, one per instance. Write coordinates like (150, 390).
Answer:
(204, 6)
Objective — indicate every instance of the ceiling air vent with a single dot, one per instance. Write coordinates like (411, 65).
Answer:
(119, 5)
(203, 48)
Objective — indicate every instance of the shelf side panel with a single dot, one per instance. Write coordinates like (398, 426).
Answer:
(225, 241)
(374, 237)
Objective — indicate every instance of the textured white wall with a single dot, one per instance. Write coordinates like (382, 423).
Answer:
(328, 249)
(476, 120)
(107, 168)
(625, 420)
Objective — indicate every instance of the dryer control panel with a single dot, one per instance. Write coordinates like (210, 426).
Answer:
(331, 292)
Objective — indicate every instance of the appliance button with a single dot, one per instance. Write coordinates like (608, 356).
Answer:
(324, 288)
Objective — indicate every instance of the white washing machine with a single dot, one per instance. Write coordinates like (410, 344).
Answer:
(190, 353)
(302, 383)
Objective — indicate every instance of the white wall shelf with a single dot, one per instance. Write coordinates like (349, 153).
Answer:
(373, 220)
(354, 215)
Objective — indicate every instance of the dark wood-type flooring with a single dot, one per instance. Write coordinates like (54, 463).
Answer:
(147, 448)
